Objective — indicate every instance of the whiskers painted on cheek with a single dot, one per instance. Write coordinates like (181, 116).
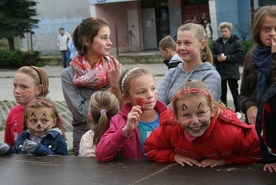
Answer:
(206, 122)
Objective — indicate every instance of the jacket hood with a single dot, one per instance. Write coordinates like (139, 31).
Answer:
(205, 66)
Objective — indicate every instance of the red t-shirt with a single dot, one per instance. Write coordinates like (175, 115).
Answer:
(14, 124)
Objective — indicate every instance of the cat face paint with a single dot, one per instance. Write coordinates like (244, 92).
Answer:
(194, 115)
(39, 120)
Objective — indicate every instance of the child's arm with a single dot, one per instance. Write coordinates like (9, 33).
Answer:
(158, 147)
(247, 149)
(111, 142)
(58, 147)
(115, 137)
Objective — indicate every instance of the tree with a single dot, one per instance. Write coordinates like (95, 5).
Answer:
(16, 18)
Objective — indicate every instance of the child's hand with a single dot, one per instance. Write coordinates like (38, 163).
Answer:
(270, 167)
(212, 163)
(28, 146)
(133, 118)
(273, 45)
(180, 159)
(115, 73)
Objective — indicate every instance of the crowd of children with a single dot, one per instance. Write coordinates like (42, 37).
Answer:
(130, 122)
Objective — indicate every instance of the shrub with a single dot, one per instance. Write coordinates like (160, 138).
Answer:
(17, 58)
(30, 58)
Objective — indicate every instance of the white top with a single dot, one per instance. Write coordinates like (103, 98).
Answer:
(87, 148)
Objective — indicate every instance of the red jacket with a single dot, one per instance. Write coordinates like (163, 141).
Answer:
(227, 137)
(115, 142)
(14, 124)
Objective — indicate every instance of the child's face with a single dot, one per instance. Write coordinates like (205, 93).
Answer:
(143, 87)
(165, 53)
(24, 88)
(188, 46)
(39, 120)
(194, 115)
(268, 31)
(101, 43)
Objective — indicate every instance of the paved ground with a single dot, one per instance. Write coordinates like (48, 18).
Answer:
(7, 99)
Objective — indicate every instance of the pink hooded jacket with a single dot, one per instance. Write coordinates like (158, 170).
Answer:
(115, 142)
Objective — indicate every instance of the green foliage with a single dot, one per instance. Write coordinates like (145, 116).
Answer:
(247, 45)
(16, 18)
(17, 58)
(30, 58)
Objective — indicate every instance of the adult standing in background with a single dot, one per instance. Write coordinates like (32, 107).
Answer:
(92, 69)
(208, 29)
(62, 43)
(72, 49)
(228, 53)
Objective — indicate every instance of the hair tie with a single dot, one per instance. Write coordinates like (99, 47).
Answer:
(103, 111)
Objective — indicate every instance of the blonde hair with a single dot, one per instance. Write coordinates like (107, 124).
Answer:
(130, 74)
(40, 77)
(227, 25)
(167, 42)
(40, 102)
(103, 105)
(259, 19)
(194, 88)
(201, 35)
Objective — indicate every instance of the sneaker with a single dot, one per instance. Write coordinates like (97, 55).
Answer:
(239, 115)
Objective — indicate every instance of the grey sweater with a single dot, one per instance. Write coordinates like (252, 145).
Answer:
(77, 98)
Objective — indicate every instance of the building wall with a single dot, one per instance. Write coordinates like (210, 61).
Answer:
(52, 16)
(119, 13)
(69, 13)
(235, 11)
(175, 16)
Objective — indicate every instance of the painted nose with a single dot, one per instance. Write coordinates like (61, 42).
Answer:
(38, 126)
(194, 120)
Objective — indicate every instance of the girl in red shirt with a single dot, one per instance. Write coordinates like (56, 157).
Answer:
(29, 82)
(201, 132)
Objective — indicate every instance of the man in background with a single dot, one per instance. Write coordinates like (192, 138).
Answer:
(62, 43)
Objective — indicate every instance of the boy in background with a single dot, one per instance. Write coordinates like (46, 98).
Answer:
(167, 48)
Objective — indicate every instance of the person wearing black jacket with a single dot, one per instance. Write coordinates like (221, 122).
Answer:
(228, 53)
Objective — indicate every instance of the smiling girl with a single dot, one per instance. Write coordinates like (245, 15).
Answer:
(192, 47)
(134, 123)
(201, 132)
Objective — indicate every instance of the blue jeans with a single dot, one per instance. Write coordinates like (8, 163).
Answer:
(65, 55)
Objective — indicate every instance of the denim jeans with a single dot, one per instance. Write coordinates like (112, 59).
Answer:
(65, 55)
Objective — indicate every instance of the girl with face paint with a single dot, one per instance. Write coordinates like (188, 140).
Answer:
(202, 132)
(28, 83)
(136, 120)
(44, 130)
